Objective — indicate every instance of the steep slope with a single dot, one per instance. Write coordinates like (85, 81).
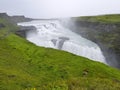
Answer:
(26, 66)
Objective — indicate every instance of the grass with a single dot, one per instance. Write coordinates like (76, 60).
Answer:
(111, 19)
(24, 66)
(8, 28)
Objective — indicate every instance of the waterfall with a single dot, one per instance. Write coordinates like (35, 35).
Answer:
(50, 33)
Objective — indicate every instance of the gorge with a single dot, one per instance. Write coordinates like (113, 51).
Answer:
(103, 30)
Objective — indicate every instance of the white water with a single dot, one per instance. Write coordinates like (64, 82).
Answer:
(50, 33)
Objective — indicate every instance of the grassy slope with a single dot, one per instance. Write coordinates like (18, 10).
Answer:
(26, 66)
(9, 27)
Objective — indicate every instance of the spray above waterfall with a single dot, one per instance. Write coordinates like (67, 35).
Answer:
(50, 33)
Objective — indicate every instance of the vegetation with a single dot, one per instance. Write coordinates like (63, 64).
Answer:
(111, 19)
(8, 27)
(24, 66)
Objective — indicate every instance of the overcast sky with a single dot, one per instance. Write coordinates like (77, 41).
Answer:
(59, 8)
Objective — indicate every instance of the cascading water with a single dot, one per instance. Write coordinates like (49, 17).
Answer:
(50, 33)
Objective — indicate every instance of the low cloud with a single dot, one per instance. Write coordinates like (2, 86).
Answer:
(59, 8)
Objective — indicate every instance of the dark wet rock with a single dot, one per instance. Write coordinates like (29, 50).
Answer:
(4, 15)
(46, 26)
(64, 38)
(98, 26)
(21, 33)
(61, 42)
(2, 25)
(24, 29)
(54, 25)
(17, 19)
(54, 41)
(27, 28)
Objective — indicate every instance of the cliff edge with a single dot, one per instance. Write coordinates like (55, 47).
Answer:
(103, 30)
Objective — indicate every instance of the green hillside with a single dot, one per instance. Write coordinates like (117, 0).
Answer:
(24, 66)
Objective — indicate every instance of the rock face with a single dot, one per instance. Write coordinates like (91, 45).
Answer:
(98, 26)
(2, 25)
(17, 19)
(107, 36)
(23, 30)
(61, 42)
(4, 15)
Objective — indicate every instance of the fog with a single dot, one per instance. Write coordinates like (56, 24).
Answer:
(59, 8)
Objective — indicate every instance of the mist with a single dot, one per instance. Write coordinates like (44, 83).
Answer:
(59, 8)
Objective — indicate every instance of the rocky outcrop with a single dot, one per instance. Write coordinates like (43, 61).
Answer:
(98, 26)
(106, 35)
(2, 25)
(4, 15)
(17, 19)
(23, 30)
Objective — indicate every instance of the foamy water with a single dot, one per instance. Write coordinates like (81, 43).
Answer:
(50, 33)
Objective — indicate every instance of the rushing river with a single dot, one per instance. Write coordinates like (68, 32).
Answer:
(51, 34)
